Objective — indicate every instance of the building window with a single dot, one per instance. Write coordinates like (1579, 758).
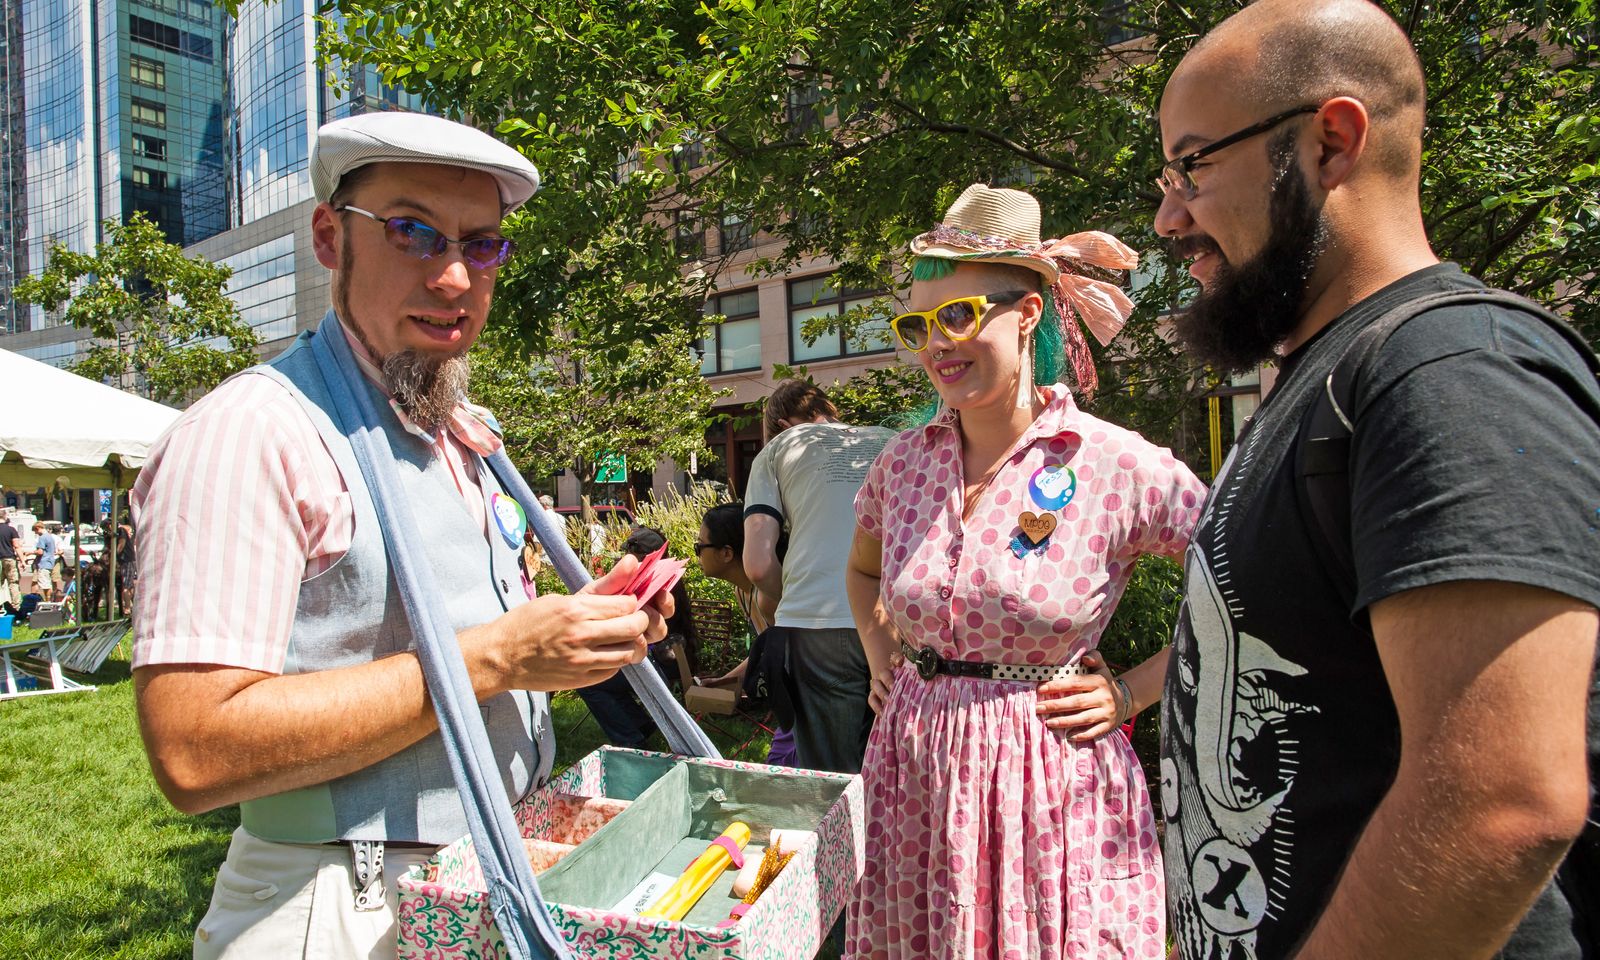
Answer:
(805, 108)
(193, 9)
(263, 287)
(150, 114)
(735, 343)
(736, 233)
(1115, 25)
(689, 235)
(689, 155)
(149, 179)
(145, 145)
(817, 297)
(1020, 175)
(628, 164)
(148, 73)
(163, 37)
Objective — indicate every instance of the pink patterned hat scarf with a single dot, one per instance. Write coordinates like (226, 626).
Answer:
(1101, 306)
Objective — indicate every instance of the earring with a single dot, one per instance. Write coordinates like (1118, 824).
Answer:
(1025, 376)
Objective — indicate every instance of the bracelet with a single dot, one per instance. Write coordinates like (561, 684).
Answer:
(1125, 711)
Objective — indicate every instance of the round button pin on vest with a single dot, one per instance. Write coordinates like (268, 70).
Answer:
(509, 517)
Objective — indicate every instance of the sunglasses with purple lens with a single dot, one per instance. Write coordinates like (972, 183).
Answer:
(416, 239)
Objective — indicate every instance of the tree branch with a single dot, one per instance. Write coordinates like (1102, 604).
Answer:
(1412, 16)
(1513, 233)
(982, 133)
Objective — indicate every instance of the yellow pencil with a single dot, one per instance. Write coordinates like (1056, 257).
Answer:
(698, 876)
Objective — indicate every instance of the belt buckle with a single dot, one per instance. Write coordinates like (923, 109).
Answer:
(927, 663)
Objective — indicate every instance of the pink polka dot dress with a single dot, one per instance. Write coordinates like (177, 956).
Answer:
(988, 834)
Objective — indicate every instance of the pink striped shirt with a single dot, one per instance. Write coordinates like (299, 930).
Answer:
(239, 503)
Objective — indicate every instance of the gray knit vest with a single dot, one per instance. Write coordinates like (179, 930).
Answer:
(351, 614)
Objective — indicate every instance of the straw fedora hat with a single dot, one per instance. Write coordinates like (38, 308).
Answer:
(989, 225)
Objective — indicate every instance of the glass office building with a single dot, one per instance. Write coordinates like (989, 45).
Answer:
(121, 110)
(271, 83)
(279, 97)
(263, 287)
(205, 121)
(61, 181)
(13, 183)
(167, 128)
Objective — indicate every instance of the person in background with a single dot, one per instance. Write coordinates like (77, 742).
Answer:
(46, 573)
(530, 560)
(69, 593)
(11, 557)
(720, 553)
(127, 564)
(805, 480)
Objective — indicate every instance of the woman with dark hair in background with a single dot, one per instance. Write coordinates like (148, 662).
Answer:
(720, 552)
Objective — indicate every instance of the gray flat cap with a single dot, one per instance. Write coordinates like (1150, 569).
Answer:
(394, 136)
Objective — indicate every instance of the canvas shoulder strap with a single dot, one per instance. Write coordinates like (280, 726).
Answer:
(683, 734)
(1322, 450)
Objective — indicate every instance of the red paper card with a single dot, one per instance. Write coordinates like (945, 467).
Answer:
(656, 573)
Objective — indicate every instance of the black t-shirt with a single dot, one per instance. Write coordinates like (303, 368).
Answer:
(8, 533)
(1475, 456)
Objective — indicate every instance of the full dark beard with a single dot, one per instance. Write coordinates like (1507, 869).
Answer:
(426, 388)
(1241, 317)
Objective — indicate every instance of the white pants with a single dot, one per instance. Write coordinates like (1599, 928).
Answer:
(285, 900)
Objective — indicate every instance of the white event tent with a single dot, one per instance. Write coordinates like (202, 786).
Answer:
(62, 430)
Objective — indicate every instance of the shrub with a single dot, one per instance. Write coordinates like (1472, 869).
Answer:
(678, 516)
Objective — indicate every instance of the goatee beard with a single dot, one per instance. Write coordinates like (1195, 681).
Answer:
(426, 388)
(1241, 317)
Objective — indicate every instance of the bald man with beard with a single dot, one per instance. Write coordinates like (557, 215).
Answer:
(1391, 765)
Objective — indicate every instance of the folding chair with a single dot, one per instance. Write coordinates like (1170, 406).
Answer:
(52, 643)
(94, 645)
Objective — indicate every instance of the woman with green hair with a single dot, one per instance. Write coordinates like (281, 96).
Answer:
(1006, 811)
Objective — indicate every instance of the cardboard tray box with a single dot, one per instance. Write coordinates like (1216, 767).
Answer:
(678, 806)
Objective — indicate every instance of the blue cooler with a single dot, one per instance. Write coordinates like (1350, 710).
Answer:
(5, 627)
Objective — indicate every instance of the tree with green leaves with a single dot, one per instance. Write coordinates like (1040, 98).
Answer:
(161, 321)
(883, 396)
(569, 405)
(845, 127)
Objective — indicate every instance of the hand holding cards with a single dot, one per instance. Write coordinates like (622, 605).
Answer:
(656, 573)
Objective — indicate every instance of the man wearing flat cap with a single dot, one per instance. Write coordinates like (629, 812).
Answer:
(273, 662)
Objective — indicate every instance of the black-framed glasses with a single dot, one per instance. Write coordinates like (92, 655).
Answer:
(414, 238)
(1177, 175)
(698, 546)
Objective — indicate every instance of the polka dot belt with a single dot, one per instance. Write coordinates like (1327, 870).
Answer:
(929, 665)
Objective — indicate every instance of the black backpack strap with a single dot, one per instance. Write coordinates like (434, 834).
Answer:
(1322, 453)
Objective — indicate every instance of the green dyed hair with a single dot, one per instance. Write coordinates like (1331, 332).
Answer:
(1049, 352)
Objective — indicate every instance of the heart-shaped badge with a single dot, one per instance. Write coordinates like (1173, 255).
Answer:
(1037, 526)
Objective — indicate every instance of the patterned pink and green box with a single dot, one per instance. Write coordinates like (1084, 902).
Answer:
(444, 916)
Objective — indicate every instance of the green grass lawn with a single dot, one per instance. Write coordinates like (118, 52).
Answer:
(100, 865)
